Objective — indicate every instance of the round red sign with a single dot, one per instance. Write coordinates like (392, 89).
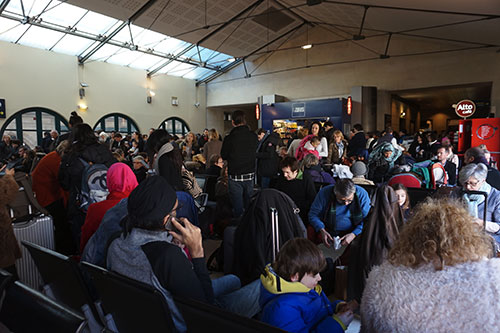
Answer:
(465, 108)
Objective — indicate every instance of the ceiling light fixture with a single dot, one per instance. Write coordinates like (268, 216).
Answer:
(306, 47)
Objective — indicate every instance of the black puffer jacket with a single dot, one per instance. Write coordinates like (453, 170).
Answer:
(238, 149)
(71, 169)
(253, 237)
(267, 158)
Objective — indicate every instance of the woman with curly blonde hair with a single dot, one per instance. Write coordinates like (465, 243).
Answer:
(438, 277)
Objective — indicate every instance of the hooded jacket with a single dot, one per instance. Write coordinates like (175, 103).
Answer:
(294, 307)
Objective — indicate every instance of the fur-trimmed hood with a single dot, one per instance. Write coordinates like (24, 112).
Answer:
(460, 298)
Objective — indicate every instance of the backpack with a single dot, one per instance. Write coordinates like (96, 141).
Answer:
(94, 186)
(431, 173)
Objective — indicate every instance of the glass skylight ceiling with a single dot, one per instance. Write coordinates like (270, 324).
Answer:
(64, 28)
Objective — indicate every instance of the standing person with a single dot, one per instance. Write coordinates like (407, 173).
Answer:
(9, 248)
(337, 149)
(85, 147)
(267, 159)
(203, 138)
(189, 147)
(137, 137)
(5, 148)
(54, 135)
(294, 145)
(357, 144)
(46, 141)
(316, 130)
(239, 150)
(213, 146)
(51, 196)
(449, 167)
(74, 120)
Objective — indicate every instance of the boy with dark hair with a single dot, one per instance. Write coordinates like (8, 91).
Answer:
(291, 298)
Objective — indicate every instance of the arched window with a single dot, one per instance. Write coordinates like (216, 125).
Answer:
(175, 126)
(29, 124)
(116, 122)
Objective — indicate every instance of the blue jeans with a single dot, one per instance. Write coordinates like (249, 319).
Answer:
(264, 182)
(239, 194)
(229, 296)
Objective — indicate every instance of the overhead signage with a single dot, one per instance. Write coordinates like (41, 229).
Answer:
(298, 110)
(465, 108)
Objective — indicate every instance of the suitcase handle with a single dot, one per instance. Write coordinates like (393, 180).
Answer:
(275, 232)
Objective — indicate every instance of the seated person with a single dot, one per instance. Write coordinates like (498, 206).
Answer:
(311, 167)
(403, 199)
(473, 177)
(449, 167)
(438, 277)
(215, 164)
(148, 252)
(359, 171)
(140, 168)
(476, 155)
(120, 181)
(339, 210)
(296, 185)
(381, 162)
(291, 298)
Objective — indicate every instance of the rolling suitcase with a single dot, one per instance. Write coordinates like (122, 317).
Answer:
(30, 223)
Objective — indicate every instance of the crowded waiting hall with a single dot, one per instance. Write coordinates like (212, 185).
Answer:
(249, 166)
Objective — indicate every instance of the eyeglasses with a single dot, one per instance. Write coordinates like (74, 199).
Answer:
(473, 184)
(345, 200)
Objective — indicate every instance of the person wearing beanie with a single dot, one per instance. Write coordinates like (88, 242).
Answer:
(150, 250)
(359, 171)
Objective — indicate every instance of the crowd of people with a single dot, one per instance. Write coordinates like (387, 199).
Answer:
(429, 267)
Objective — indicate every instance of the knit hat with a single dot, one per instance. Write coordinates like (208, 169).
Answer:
(151, 201)
(359, 169)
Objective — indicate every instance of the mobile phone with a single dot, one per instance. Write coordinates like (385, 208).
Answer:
(170, 226)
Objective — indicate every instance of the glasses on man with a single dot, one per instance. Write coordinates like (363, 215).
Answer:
(345, 201)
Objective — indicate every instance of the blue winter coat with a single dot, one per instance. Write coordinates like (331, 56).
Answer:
(294, 307)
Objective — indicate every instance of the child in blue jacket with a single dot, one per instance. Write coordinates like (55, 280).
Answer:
(290, 296)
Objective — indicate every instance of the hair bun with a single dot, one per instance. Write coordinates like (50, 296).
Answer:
(73, 113)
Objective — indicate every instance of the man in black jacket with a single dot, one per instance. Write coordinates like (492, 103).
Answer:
(357, 144)
(238, 149)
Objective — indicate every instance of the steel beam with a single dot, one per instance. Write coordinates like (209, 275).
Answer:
(212, 33)
(240, 60)
(76, 33)
(3, 5)
(82, 58)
